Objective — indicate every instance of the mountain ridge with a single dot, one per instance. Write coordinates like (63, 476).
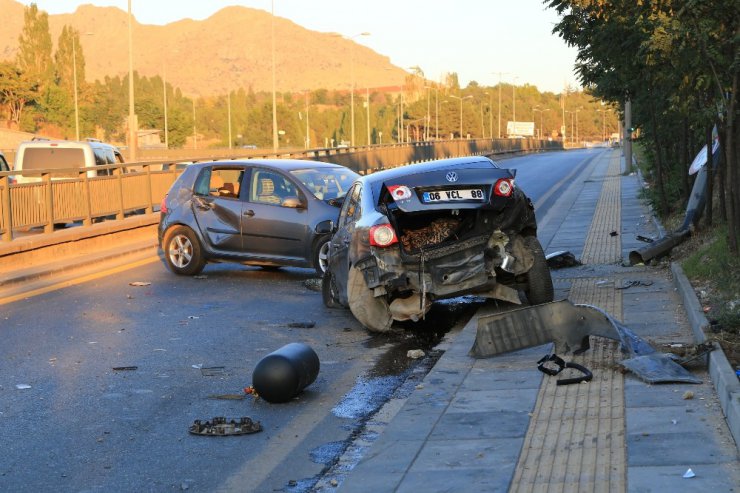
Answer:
(201, 64)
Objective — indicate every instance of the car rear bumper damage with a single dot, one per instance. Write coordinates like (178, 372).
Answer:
(486, 265)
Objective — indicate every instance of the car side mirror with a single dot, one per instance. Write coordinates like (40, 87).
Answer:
(293, 203)
(325, 227)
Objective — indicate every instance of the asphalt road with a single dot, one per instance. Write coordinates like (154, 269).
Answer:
(80, 425)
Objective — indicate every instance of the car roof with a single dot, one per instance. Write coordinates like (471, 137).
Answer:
(467, 162)
(67, 143)
(282, 164)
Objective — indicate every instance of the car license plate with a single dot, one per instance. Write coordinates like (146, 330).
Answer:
(453, 195)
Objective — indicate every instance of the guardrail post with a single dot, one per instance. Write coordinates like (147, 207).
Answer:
(88, 200)
(46, 180)
(7, 216)
(148, 169)
(118, 172)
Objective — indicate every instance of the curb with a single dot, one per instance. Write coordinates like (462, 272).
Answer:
(723, 376)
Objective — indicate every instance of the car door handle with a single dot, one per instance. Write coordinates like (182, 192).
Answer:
(249, 212)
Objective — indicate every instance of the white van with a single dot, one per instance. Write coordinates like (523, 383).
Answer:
(40, 154)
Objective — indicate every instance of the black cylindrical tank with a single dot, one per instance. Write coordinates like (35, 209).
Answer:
(283, 374)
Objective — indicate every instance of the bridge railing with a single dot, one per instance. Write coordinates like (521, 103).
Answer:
(47, 197)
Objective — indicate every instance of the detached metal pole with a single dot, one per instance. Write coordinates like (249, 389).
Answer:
(627, 144)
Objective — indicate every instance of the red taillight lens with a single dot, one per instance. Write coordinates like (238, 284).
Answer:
(163, 206)
(382, 235)
(399, 192)
(504, 187)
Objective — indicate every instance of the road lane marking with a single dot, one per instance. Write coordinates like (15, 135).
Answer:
(77, 280)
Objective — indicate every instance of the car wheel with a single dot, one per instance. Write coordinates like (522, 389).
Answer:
(329, 290)
(182, 251)
(321, 255)
(370, 311)
(539, 282)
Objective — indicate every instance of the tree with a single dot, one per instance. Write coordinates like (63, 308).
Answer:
(16, 90)
(34, 53)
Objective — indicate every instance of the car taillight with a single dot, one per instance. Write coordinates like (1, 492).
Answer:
(163, 206)
(504, 187)
(399, 192)
(382, 235)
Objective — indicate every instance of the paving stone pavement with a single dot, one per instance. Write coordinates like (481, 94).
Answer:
(498, 424)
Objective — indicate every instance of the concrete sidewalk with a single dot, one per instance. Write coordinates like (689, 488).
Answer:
(498, 424)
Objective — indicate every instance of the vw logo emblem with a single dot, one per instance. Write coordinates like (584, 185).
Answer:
(451, 177)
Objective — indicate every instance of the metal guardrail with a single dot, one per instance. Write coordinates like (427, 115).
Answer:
(113, 191)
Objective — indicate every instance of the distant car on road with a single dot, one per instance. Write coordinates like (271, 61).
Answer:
(415, 234)
(41, 153)
(267, 212)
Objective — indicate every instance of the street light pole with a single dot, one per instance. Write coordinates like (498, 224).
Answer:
(274, 98)
(228, 104)
(461, 101)
(436, 113)
(367, 97)
(195, 133)
(132, 124)
(164, 89)
(500, 74)
(74, 76)
(513, 91)
(308, 130)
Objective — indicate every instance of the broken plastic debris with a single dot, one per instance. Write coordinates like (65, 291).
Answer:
(415, 353)
(193, 317)
(212, 371)
(689, 473)
(302, 325)
(688, 395)
(124, 368)
(220, 426)
(200, 277)
(22, 386)
(198, 366)
(139, 283)
(558, 260)
(674, 421)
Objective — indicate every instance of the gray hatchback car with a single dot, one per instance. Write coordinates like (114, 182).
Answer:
(269, 213)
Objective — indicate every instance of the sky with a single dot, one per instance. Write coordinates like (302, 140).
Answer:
(480, 40)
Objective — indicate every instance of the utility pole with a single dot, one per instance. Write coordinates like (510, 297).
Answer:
(627, 144)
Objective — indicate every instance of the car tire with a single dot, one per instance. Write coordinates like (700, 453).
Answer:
(370, 311)
(329, 290)
(539, 282)
(182, 251)
(321, 255)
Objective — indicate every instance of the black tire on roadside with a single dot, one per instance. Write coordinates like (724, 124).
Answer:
(321, 255)
(182, 251)
(539, 281)
(370, 311)
(328, 291)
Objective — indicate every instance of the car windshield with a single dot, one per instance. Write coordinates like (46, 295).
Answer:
(326, 183)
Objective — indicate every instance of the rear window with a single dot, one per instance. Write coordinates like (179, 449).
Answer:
(52, 158)
(3, 164)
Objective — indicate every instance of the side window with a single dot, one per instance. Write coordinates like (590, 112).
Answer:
(270, 187)
(202, 182)
(351, 207)
(225, 182)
